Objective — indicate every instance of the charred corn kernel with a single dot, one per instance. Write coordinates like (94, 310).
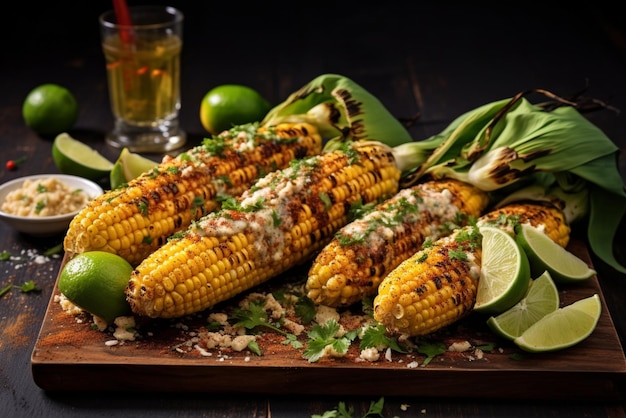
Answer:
(361, 254)
(543, 216)
(135, 220)
(437, 285)
(277, 224)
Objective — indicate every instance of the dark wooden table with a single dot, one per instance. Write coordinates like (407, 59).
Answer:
(434, 60)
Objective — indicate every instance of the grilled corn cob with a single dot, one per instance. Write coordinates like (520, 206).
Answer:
(353, 264)
(433, 288)
(135, 220)
(277, 224)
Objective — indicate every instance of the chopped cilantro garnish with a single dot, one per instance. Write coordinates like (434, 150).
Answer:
(323, 336)
(5, 290)
(375, 336)
(431, 350)
(29, 286)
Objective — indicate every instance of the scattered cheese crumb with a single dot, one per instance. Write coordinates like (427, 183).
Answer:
(388, 354)
(100, 323)
(460, 347)
(370, 354)
(293, 327)
(324, 314)
(124, 328)
(216, 339)
(241, 342)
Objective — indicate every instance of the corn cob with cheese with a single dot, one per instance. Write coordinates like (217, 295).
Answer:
(136, 219)
(277, 224)
(434, 288)
(360, 255)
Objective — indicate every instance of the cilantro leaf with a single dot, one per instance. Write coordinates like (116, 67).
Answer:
(54, 250)
(431, 350)
(323, 336)
(256, 316)
(5, 290)
(305, 309)
(375, 336)
(29, 286)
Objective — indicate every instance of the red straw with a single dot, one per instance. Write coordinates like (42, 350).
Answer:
(123, 18)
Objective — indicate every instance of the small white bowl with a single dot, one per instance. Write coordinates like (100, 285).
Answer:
(45, 225)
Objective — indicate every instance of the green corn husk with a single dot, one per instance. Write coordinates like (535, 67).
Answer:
(342, 110)
(510, 144)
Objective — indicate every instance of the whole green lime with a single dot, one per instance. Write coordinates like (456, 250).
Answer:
(96, 281)
(228, 105)
(50, 109)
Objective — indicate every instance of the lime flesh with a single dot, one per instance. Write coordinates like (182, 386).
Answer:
(545, 254)
(129, 166)
(504, 272)
(79, 159)
(541, 299)
(562, 328)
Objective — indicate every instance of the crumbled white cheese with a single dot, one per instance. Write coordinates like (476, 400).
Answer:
(388, 354)
(216, 339)
(293, 327)
(370, 354)
(100, 323)
(241, 342)
(324, 314)
(124, 330)
(67, 305)
(460, 346)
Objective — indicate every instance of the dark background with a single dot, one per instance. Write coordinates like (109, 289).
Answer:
(435, 59)
(475, 47)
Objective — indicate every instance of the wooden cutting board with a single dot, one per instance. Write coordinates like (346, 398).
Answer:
(70, 356)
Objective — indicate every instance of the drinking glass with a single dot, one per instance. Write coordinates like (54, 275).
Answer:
(143, 73)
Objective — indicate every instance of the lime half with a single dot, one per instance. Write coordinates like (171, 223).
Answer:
(544, 254)
(562, 328)
(541, 299)
(96, 281)
(128, 166)
(504, 272)
(74, 157)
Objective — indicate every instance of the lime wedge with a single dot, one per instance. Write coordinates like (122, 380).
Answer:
(128, 166)
(562, 328)
(541, 299)
(76, 158)
(544, 254)
(504, 272)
